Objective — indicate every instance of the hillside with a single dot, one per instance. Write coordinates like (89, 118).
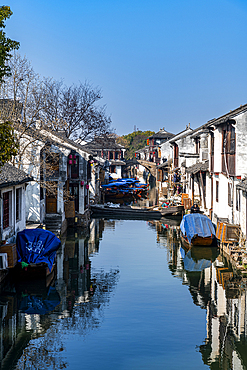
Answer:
(134, 141)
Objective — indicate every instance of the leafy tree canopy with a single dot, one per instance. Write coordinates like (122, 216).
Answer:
(6, 44)
(8, 143)
(134, 141)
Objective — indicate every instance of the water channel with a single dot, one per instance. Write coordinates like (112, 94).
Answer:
(126, 295)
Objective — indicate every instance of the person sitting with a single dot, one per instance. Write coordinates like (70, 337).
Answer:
(195, 208)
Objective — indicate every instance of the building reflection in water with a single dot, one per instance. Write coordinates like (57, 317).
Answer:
(77, 297)
(216, 287)
(74, 297)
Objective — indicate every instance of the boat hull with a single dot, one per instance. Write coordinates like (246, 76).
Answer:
(198, 241)
(172, 211)
(33, 271)
(125, 212)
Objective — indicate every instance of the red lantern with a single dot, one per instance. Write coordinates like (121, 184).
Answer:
(70, 156)
(74, 161)
(70, 161)
(74, 156)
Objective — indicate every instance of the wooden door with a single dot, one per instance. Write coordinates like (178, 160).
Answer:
(51, 198)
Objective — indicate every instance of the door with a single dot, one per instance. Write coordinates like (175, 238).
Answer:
(51, 198)
(74, 193)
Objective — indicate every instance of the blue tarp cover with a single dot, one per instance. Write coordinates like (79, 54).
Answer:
(37, 245)
(196, 224)
(112, 184)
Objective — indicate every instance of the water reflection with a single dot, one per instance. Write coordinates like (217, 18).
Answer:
(216, 287)
(74, 297)
(33, 316)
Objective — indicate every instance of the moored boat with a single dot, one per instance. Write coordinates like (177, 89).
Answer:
(197, 230)
(36, 253)
(122, 188)
(124, 211)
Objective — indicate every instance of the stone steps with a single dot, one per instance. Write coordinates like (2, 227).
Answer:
(53, 223)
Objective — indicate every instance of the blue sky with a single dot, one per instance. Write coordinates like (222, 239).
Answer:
(159, 63)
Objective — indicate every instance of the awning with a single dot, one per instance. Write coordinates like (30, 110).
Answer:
(202, 166)
(165, 164)
(242, 185)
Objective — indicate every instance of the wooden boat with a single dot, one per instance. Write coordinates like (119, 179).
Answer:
(197, 230)
(35, 271)
(172, 210)
(36, 254)
(124, 212)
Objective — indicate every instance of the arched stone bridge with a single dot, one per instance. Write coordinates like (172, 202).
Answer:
(150, 166)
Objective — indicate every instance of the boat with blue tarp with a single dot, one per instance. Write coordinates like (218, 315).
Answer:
(36, 252)
(127, 187)
(197, 229)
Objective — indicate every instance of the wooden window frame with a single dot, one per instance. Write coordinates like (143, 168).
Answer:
(6, 209)
(228, 148)
(75, 168)
(238, 200)
(18, 203)
(229, 195)
(217, 191)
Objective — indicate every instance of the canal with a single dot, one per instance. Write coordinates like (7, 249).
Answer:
(126, 295)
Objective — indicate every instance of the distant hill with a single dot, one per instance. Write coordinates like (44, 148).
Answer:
(134, 141)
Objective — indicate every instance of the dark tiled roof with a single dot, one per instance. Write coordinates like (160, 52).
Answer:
(242, 185)
(165, 164)
(61, 141)
(101, 144)
(202, 166)
(162, 134)
(224, 118)
(63, 137)
(10, 175)
(117, 162)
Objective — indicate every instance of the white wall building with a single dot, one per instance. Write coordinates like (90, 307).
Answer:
(12, 200)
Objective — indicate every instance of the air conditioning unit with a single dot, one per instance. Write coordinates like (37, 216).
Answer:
(3, 261)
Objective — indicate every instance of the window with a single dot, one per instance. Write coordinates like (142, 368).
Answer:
(228, 148)
(212, 153)
(238, 200)
(6, 209)
(175, 149)
(113, 169)
(232, 140)
(197, 142)
(75, 167)
(229, 195)
(18, 204)
(217, 191)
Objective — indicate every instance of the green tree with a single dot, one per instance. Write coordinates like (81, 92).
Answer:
(134, 141)
(8, 143)
(6, 44)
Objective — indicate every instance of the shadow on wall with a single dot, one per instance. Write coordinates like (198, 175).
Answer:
(33, 203)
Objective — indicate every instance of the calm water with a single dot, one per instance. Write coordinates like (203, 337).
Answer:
(127, 296)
